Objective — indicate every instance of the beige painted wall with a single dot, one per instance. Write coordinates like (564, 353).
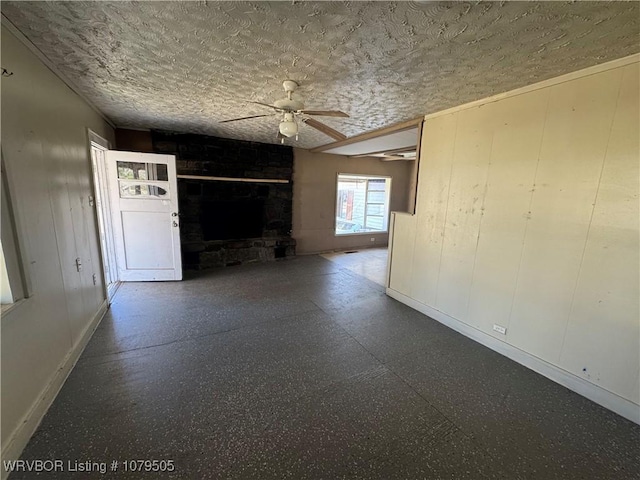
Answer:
(314, 198)
(45, 150)
(528, 217)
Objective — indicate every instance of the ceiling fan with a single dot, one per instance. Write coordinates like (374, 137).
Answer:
(292, 110)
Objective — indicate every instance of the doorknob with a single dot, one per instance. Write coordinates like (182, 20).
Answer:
(175, 224)
(175, 214)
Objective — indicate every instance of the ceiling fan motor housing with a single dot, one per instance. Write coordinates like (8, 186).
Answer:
(289, 86)
(289, 105)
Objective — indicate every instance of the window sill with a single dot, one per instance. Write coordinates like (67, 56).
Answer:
(377, 232)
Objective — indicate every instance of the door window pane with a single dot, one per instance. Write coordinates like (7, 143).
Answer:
(128, 190)
(142, 171)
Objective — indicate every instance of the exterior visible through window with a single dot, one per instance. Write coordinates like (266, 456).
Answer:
(362, 204)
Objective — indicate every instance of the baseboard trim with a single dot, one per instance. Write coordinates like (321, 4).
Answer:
(595, 393)
(30, 422)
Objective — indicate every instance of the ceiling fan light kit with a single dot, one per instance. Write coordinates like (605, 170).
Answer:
(288, 126)
(290, 109)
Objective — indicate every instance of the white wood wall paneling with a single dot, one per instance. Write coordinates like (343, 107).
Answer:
(438, 141)
(463, 215)
(514, 157)
(602, 340)
(554, 254)
(404, 234)
(574, 142)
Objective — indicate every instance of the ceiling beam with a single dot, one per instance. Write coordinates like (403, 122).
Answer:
(387, 151)
(398, 127)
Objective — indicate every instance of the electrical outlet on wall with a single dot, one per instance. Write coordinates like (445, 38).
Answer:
(500, 329)
(373, 239)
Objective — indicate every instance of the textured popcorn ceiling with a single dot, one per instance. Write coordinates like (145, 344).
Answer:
(185, 66)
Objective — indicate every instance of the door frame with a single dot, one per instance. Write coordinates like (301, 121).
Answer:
(102, 208)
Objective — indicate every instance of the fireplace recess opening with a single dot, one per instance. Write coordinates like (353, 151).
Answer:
(232, 219)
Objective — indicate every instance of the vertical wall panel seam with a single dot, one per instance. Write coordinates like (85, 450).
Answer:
(446, 209)
(484, 197)
(56, 234)
(593, 208)
(533, 191)
(77, 241)
(78, 296)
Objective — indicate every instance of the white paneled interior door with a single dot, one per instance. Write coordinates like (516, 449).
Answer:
(146, 225)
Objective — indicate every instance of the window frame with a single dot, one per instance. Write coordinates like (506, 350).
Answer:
(386, 216)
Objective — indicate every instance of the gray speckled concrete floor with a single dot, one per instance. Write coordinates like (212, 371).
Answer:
(302, 369)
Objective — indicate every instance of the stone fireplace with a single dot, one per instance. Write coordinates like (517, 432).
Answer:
(235, 199)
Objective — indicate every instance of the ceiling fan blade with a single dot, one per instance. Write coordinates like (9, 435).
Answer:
(264, 104)
(324, 129)
(326, 113)
(243, 118)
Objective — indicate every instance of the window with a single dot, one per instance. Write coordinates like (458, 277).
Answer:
(362, 204)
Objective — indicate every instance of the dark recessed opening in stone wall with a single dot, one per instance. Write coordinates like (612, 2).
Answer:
(232, 219)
